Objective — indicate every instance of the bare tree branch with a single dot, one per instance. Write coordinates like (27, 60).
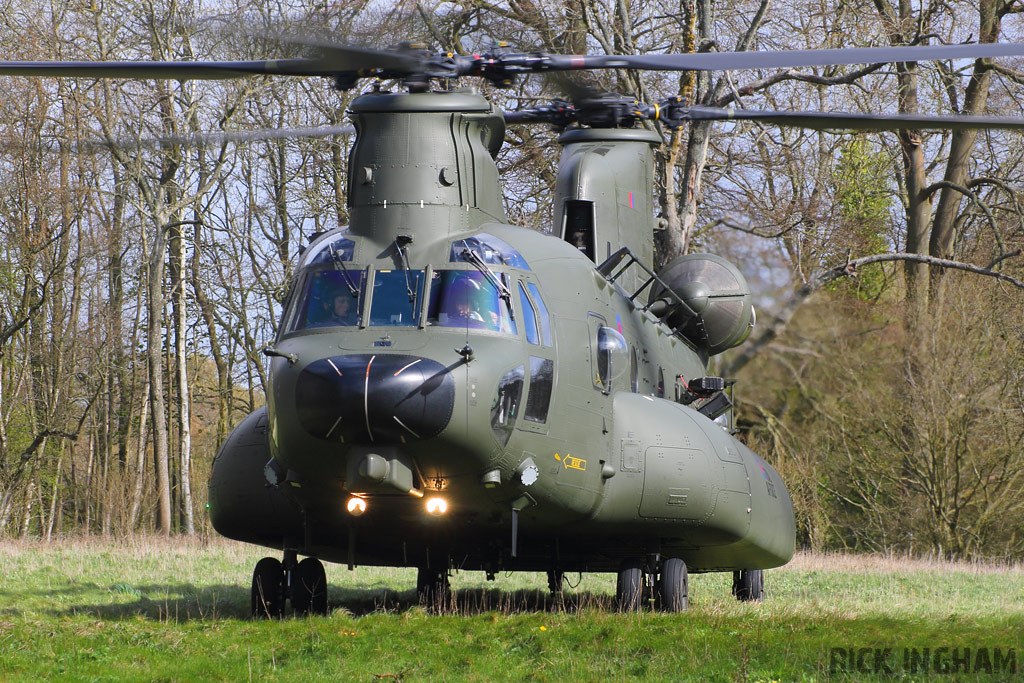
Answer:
(823, 277)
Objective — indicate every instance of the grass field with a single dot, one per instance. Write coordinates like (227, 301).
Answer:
(151, 609)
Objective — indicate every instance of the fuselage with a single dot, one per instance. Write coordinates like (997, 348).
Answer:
(564, 411)
(432, 351)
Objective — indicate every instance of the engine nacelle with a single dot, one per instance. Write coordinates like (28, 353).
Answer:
(717, 313)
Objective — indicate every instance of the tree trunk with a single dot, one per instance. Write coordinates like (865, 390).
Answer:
(943, 232)
(154, 357)
(177, 245)
(140, 462)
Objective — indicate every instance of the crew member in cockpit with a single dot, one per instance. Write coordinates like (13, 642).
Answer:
(465, 311)
(341, 312)
(462, 298)
(337, 308)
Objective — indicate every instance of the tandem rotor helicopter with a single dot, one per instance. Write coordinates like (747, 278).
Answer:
(449, 391)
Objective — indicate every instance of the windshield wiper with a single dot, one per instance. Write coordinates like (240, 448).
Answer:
(339, 262)
(400, 244)
(492, 277)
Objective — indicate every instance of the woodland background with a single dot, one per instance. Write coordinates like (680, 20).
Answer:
(139, 282)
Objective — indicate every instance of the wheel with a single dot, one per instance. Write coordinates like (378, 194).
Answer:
(556, 577)
(309, 587)
(629, 590)
(267, 589)
(432, 588)
(673, 585)
(748, 585)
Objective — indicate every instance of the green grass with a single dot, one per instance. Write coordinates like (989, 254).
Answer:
(149, 609)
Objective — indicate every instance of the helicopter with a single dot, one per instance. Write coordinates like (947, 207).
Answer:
(452, 392)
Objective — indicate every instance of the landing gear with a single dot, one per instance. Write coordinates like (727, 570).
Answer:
(629, 589)
(748, 585)
(268, 589)
(556, 578)
(432, 588)
(273, 582)
(638, 583)
(309, 587)
(673, 586)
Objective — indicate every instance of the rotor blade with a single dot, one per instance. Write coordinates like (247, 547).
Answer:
(709, 61)
(230, 137)
(338, 57)
(255, 135)
(192, 140)
(855, 121)
(170, 70)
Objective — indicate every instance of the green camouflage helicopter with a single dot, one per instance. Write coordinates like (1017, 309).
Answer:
(449, 391)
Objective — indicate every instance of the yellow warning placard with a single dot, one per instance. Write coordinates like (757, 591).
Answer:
(571, 463)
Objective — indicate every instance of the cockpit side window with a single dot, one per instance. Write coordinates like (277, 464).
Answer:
(328, 298)
(612, 357)
(542, 314)
(463, 298)
(529, 317)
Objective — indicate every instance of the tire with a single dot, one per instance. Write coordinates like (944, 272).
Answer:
(748, 585)
(629, 589)
(267, 597)
(309, 587)
(674, 586)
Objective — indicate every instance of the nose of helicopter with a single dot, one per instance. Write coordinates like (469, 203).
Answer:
(365, 398)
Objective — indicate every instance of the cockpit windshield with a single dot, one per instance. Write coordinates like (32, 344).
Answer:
(396, 297)
(462, 298)
(329, 298)
(332, 296)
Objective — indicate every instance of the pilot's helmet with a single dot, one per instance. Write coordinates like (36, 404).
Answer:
(329, 285)
(462, 289)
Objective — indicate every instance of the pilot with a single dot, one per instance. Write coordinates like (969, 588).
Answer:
(461, 299)
(336, 309)
(341, 312)
(465, 311)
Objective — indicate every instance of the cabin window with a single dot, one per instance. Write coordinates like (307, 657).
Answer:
(612, 357)
(491, 250)
(467, 299)
(542, 379)
(529, 317)
(661, 383)
(542, 314)
(634, 370)
(329, 298)
(396, 297)
(505, 404)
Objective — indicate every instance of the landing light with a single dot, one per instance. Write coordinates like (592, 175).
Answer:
(437, 506)
(356, 506)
